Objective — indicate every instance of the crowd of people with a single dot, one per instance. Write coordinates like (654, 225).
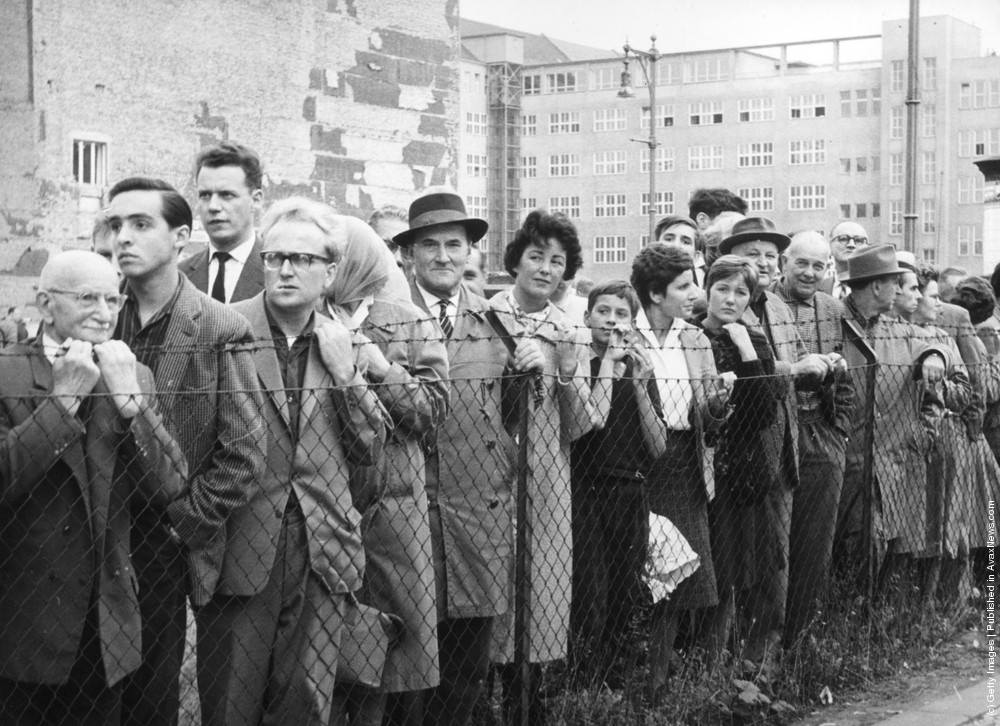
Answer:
(312, 435)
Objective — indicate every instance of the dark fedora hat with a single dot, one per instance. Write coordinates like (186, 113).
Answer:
(440, 207)
(870, 262)
(754, 228)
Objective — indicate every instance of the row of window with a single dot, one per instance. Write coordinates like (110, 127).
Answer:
(984, 93)
(928, 74)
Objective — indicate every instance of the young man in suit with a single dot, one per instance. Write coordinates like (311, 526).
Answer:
(200, 353)
(82, 440)
(468, 480)
(229, 179)
(322, 418)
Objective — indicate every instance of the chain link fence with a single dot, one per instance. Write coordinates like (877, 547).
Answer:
(472, 549)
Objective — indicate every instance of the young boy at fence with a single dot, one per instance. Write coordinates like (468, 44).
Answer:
(610, 515)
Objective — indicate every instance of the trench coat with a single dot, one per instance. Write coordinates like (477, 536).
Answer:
(561, 414)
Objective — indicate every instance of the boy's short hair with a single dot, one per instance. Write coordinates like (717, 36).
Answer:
(618, 288)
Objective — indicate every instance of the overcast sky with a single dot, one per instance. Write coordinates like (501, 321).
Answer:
(682, 25)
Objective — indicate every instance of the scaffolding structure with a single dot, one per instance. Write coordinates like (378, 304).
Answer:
(503, 182)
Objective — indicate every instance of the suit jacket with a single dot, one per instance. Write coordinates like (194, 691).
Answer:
(211, 400)
(788, 349)
(251, 280)
(469, 470)
(338, 426)
(66, 482)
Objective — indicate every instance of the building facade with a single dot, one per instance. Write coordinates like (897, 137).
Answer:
(353, 102)
(809, 133)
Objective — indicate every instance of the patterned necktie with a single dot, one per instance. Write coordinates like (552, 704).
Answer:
(219, 286)
(443, 318)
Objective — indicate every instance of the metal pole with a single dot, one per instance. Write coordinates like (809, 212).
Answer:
(651, 84)
(522, 567)
(912, 107)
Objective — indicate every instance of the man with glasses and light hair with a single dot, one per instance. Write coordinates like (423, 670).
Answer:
(388, 221)
(322, 419)
(200, 354)
(846, 238)
(82, 440)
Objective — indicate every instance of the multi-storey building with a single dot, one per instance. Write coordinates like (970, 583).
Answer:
(807, 132)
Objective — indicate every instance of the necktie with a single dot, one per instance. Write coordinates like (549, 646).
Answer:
(219, 286)
(443, 318)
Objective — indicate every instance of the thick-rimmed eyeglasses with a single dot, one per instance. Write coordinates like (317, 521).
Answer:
(299, 260)
(845, 238)
(90, 300)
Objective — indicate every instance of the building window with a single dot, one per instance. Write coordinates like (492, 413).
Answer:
(564, 82)
(977, 142)
(529, 124)
(529, 167)
(930, 255)
(807, 196)
(475, 123)
(475, 165)
(705, 157)
(711, 68)
(845, 104)
(807, 151)
(808, 105)
(664, 116)
(476, 206)
(895, 170)
(928, 167)
(664, 159)
(610, 249)
(928, 125)
(758, 199)
(564, 165)
(705, 113)
(605, 78)
(861, 165)
(759, 153)
(564, 122)
(896, 122)
(965, 234)
(531, 84)
(845, 211)
(876, 101)
(570, 206)
(928, 215)
(876, 164)
(983, 93)
(970, 189)
(664, 203)
(876, 209)
(897, 75)
(528, 203)
(860, 211)
(930, 74)
(896, 217)
(90, 162)
(611, 204)
(609, 162)
(751, 110)
(861, 102)
(610, 119)
(845, 166)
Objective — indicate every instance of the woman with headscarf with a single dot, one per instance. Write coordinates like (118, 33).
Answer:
(407, 366)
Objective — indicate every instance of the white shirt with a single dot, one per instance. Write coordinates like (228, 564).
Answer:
(673, 379)
(234, 265)
(50, 347)
(433, 303)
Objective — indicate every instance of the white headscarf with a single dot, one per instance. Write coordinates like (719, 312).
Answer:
(367, 268)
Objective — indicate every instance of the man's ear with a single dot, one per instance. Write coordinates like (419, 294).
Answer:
(181, 236)
(331, 275)
(43, 301)
(257, 195)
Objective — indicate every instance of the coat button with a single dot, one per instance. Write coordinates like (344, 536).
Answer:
(118, 572)
(66, 529)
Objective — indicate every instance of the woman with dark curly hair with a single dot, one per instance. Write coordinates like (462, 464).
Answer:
(979, 298)
(545, 250)
(693, 400)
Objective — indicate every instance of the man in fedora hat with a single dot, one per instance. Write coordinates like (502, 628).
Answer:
(467, 480)
(757, 239)
(905, 364)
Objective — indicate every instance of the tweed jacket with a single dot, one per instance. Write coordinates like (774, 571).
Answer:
(836, 392)
(338, 426)
(469, 468)
(788, 349)
(66, 482)
(211, 401)
(250, 282)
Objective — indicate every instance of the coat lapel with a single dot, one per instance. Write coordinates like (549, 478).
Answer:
(251, 280)
(198, 272)
(182, 331)
(264, 357)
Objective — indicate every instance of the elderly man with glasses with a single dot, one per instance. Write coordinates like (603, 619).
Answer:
(846, 238)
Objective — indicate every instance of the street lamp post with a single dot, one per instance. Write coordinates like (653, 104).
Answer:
(647, 62)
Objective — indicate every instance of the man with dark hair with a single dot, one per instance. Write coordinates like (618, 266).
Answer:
(229, 179)
(707, 204)
(82, 438)
(200, 354)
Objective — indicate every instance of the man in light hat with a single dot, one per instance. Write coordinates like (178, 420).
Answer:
(905, 364)
(757, 239)
(467, 478)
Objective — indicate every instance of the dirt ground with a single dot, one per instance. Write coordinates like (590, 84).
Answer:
(955, 665)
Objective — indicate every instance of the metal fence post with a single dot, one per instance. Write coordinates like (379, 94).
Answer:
(522, 567)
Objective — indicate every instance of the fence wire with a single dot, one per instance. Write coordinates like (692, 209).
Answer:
(435, 545)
